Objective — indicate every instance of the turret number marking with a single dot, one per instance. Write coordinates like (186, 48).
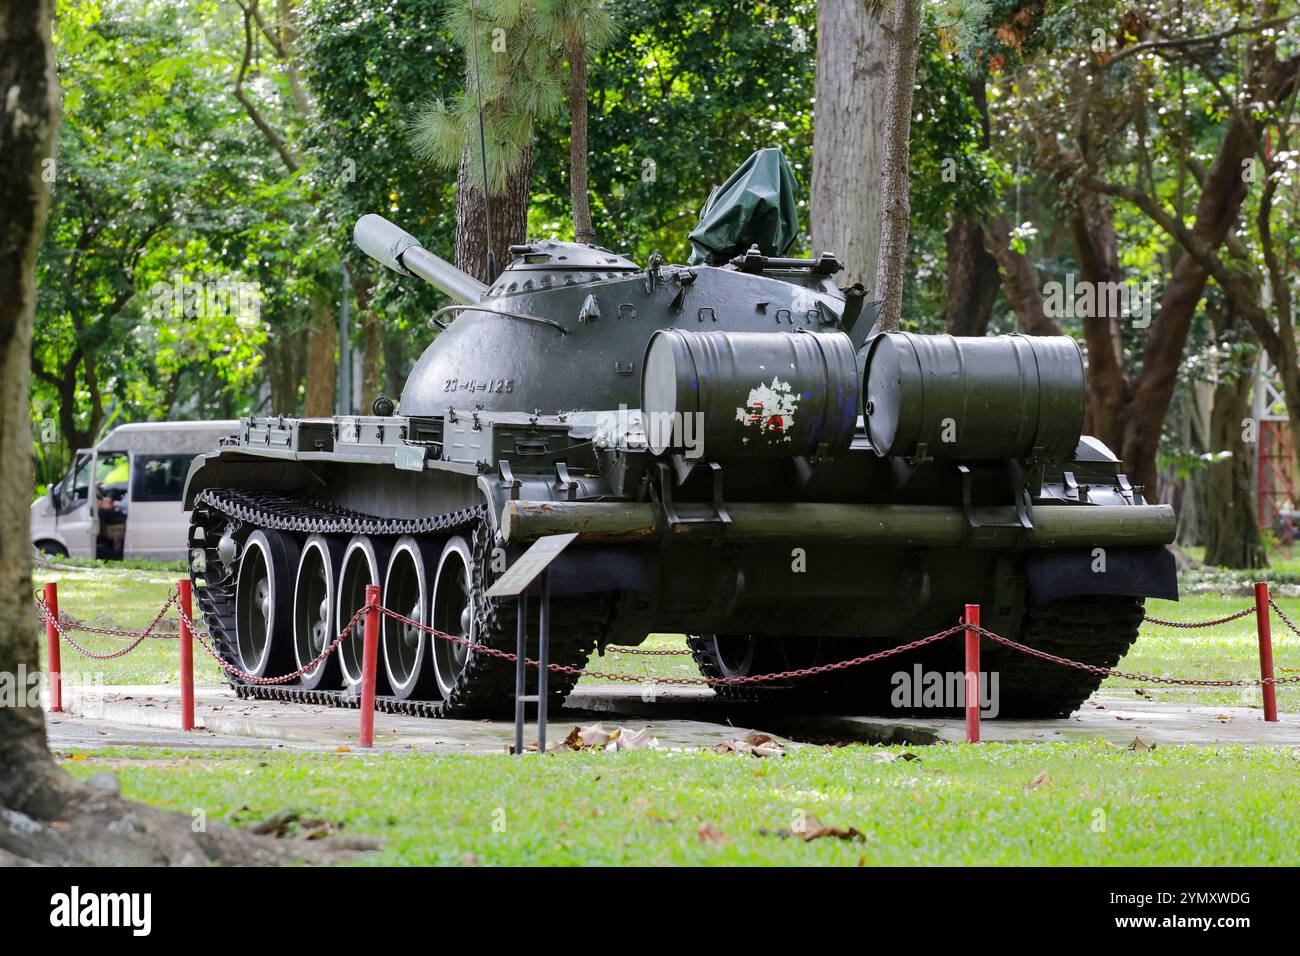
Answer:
(498, 385)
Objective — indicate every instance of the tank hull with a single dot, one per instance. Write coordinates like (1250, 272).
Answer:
(790, 532)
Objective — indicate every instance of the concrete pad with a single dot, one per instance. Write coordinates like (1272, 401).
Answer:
(118, 715)
(150, 715)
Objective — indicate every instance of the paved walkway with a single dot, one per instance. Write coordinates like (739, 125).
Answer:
(120, 715)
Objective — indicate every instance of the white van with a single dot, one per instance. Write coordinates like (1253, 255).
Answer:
(122, 498)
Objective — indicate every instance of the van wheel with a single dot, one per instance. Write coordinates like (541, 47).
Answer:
(52, 548)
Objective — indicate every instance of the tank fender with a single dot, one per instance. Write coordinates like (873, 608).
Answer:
(1079, 572)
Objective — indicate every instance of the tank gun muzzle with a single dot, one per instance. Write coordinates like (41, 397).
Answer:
(400, 251)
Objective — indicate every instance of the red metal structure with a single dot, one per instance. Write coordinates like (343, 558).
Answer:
(1275, 490)
(54, 667)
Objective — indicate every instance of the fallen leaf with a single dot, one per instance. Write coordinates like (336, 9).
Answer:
(814, 829)
(1140, 745)
(708, 833)
(342, 750)
(753, 743)
(885, 756)
(1042, 779)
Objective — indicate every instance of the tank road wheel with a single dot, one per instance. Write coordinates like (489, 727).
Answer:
(264, 603)
(364, 562)
(314, 622)
(737, 656)
(453, 613)
(407, 654)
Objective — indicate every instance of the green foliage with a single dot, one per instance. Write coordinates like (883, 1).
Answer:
(145, 180)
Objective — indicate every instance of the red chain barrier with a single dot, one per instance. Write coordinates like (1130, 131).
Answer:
(674, 681)
(372, 610)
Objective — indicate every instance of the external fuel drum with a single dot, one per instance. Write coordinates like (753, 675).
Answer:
(750, 394)
(941, 396)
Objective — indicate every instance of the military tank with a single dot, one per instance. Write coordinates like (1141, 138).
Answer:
(742, 462)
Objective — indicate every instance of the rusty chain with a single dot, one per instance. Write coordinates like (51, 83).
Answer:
(1111, 672)
(202, 638)
(649, 652)
(1189, 625)
(1282, 614)
(140, 636)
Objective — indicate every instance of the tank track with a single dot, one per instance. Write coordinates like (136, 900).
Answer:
(1094, 630)
(486, 685)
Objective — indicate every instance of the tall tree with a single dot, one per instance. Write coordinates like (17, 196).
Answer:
(29, 116)
(895, 204)
(851, 98)
(582, 28)
(512, 80)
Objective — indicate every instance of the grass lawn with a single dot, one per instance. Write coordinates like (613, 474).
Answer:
(1094, 804)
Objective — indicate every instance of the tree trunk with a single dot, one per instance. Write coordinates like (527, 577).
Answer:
(578, 189)
(847, 122)
(509, 217)
(396, 365)
(322, 366)
(972, 279)
(29, 117)
(372, 344)
(1110, 390)
(1232, 538)
(895, 197)
(1019, 281)
(285, 369)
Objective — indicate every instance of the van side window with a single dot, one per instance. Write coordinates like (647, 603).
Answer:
(71, 493)
(160, 477)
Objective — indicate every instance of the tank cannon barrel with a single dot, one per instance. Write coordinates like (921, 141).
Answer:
(400, 251)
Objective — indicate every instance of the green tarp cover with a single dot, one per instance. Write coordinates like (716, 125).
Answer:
(755, 206)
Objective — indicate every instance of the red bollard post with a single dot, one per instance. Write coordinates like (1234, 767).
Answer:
(1264, 626)
(972, 674)
(54, 668)
(369, 662)
(183, 596)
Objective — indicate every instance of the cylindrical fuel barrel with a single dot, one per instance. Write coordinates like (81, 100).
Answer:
(941, 396)
(753, 394)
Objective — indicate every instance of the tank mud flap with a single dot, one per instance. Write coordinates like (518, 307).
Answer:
(1078, 572)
